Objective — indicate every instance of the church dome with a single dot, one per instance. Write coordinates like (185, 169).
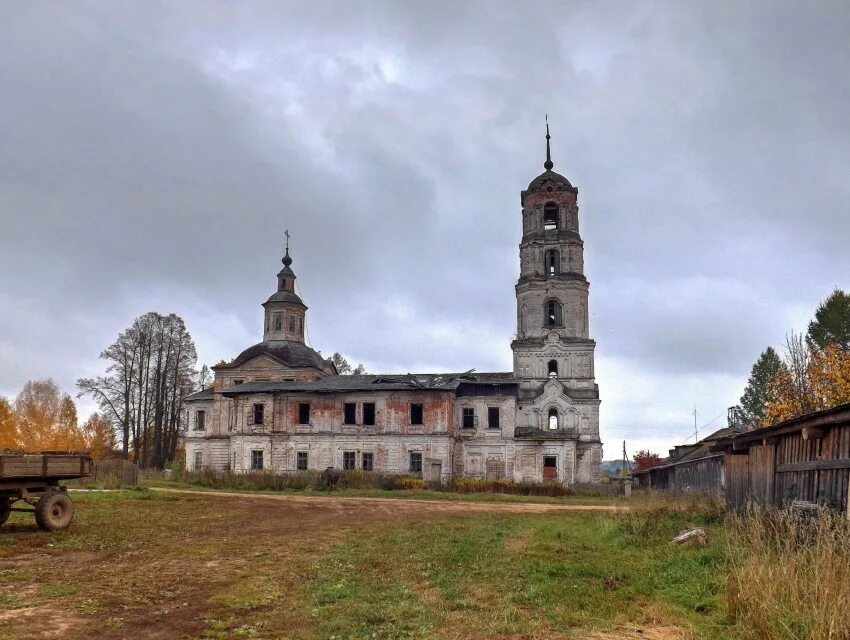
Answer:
(285, 296)
(550, 176)
(287, 352)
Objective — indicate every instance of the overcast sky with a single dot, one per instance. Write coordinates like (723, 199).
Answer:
(151, 155)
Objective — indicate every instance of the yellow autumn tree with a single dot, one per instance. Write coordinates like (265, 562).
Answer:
(814, 379)
(100, 437)
(47, 419)
(8, 425)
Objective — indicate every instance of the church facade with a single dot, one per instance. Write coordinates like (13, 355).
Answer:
(281, 406)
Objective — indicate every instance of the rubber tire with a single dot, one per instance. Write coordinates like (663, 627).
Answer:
(5, 509)
(54, 511)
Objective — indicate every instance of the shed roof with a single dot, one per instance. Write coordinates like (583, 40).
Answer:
(822, 419)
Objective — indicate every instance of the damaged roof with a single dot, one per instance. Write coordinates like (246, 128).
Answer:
(376, 382)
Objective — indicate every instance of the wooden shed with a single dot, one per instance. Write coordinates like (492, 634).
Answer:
(693, 467)
(804, 459)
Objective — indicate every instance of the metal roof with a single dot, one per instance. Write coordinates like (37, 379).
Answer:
(375, 382)
(287, 352)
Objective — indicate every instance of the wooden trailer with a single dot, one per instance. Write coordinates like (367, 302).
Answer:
(35, 479)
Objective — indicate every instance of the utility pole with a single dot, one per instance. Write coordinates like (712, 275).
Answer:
(696, 431)
(624, 459)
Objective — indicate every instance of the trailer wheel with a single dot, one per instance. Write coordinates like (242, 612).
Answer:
(54, 510)
(5, 509)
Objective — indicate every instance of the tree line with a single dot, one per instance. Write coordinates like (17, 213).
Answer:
(812, 374)
(43, 418)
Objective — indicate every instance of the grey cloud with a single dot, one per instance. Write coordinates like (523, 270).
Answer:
(151, 156)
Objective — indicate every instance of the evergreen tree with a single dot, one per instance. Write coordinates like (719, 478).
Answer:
(757, 394)
(831, 324)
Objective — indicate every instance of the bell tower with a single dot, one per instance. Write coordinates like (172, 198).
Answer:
(553, 336)
(285, 312)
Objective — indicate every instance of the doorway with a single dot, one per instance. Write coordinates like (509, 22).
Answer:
(550, 468)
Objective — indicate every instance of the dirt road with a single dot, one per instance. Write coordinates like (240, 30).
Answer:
(398, 506)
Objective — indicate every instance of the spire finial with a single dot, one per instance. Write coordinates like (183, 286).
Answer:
(548, 164)
(286, 259)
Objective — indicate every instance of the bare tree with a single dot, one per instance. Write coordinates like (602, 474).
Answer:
(343, 367)
(151, 370)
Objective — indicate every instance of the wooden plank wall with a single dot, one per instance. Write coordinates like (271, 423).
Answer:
(762, 471)
(796, 469)
(737, 480)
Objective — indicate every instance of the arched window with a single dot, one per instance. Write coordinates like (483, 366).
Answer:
(553, 369)
(550, 216)
(553, 262)
(554, 316)
(553, 418)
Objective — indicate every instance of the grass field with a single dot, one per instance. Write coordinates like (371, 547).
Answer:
(142, 564)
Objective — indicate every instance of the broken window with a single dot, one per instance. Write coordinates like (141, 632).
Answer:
(257, 460)
(550, 216)
(368, 461)
(349, 461)
(304, 413)
(415, 413)
(235, 382)
(554, 315)
(291, 324)
(257, 412)
(301, 460)
(553, 368)
(415, 462)
(553, 418)
(200, 420)
(369, 413)
(493, 417)
(199, 460)
(553, 262)
(350, 413)
(468, 418)
(278, 321)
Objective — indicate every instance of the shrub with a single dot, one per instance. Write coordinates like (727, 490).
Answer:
(789, 574)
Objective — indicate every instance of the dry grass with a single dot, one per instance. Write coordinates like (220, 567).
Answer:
(655, 514)
(789, 575)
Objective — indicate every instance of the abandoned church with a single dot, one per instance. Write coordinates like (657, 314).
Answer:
(281, 406)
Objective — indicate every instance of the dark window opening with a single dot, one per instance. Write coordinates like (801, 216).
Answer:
(553, 369)
(553, 418)
(199, 460)
(200, 420)
(416, 413)
(554, 316)
(368, 461)
(235, 382)
(300, 326)
(468, 418)
(553, 262)
(415, 462)
(291, 324)
(257, 413)
(493, 417)
(278, 322)
(369, 413)
(550, 216)
(550, 462)
(349, 462)
(350, 411)
(304, 413)
(301, 460)
(256, 460)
